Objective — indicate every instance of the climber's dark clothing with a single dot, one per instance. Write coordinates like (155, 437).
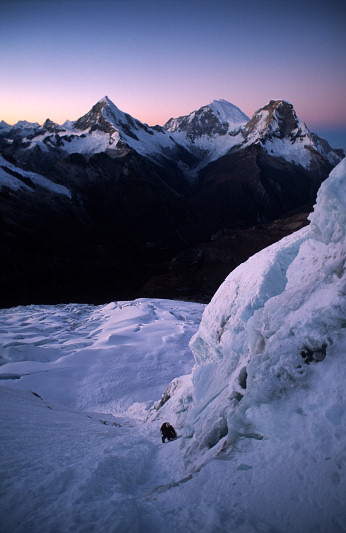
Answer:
(167, 432)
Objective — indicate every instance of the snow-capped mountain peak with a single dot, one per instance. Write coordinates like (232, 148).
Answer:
(98, 117)
(217, 118)
(278, 129)
(106, 117)
(52, 127)
(278, 119)
(112, 113)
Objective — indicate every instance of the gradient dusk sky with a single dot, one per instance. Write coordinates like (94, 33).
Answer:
(161, 58)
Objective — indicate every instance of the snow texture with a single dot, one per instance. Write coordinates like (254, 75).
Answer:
(98, 358)
(260, 421)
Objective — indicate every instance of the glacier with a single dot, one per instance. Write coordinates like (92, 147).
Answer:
(259, 408)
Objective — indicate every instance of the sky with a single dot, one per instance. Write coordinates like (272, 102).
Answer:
(158, 59)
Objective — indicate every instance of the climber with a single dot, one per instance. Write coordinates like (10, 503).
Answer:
(167, 432)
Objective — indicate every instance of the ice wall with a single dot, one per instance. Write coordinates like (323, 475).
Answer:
(275, 330)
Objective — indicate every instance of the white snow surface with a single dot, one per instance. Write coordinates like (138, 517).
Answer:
(79, 457)
(227, 112)
(261, 444)
(98, 358)
(73, 141)
(208, 147)
(15, 183)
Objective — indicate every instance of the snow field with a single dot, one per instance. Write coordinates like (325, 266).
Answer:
(67, 462)
(103, 358)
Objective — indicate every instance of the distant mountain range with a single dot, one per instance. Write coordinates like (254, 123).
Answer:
(94, 209)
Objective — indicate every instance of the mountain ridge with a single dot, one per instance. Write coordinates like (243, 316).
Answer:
(207, 133)
(120, 199)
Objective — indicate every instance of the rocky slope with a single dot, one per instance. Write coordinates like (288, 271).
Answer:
(195, 274)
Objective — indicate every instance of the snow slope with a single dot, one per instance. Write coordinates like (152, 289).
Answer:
(227, 112)
(66, 463)
(12, 177)
(261, 420)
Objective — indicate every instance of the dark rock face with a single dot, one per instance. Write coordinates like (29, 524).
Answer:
(51, 126)
(248, 187)
(195, 274)
(127, 215)
(280, 112)
(94, 119)
(123, 215)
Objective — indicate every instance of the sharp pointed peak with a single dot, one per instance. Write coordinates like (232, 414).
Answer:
(107, 117)
(105, 104)
(105, 100)
(52, 126)
(49, 122)
(4, 124)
